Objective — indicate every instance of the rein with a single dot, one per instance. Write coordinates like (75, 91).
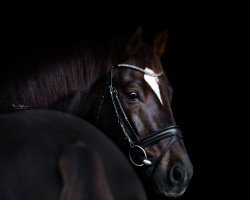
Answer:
(135, 144)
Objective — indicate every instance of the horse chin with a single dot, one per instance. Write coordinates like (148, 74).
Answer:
(174, 194)
(169, 193)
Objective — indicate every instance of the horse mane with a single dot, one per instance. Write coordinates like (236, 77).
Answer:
(47, 78)
(54, 74)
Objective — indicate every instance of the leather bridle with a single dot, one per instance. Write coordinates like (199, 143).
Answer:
(135, 143)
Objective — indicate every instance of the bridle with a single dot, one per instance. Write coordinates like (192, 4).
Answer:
(135, 143)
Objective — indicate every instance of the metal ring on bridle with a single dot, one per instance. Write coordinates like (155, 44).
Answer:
(145, 161)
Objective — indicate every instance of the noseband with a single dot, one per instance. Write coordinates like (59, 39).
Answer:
(172, 132)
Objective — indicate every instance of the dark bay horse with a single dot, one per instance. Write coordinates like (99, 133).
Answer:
(46, 155)
(120, 87)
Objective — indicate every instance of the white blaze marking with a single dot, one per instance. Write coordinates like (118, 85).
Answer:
(153, 82)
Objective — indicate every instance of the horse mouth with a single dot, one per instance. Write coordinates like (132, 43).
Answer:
(173, 194)
(176, 194)
(163, 190)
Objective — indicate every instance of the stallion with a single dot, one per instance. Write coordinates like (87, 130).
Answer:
(120, 87)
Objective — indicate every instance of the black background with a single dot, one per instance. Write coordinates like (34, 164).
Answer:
(191, 62)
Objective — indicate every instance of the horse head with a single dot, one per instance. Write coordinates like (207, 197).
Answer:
(135, 111)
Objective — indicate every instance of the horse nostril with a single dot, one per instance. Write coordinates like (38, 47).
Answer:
(176, 174)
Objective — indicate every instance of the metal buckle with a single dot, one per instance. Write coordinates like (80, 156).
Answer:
(145, 161)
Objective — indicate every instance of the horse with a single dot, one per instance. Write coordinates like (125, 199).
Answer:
(44, 154)
(119, 86)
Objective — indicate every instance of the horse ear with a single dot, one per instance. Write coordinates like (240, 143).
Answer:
(160, 43)
(134, 41)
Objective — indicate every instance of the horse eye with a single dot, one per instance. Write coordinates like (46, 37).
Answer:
(133, 96)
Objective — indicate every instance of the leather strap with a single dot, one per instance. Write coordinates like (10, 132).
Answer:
(159, 135)
(156, 163)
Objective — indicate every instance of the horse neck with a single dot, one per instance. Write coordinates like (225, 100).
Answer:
(56, 77)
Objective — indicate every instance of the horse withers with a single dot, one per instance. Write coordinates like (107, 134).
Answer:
(53, 155)
(120, 87)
